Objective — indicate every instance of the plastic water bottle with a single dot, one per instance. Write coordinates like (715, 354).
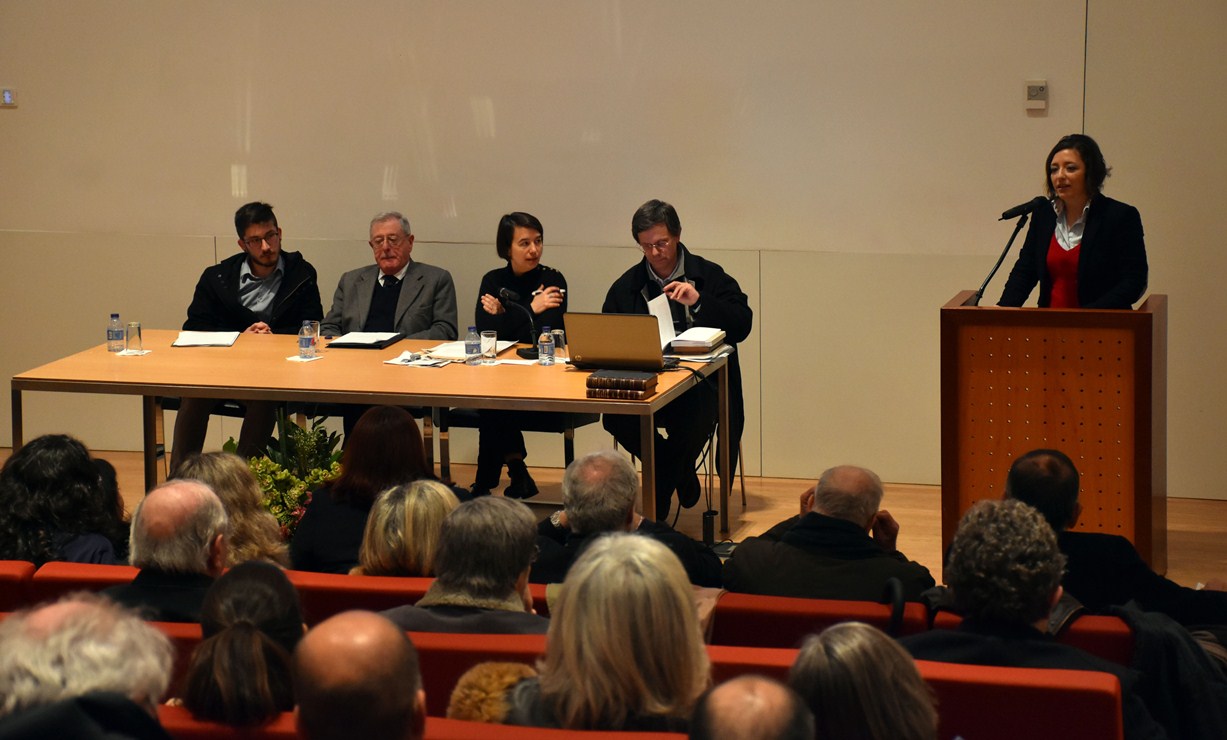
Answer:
(306, 341)
(545, 347)
(472, 347)
(115, 335)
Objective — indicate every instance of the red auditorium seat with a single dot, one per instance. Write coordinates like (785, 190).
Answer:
(1024, 703)
(782, 621)
(53, 580)
(445, 657)
(14, 584)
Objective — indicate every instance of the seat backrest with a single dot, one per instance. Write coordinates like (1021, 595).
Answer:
(15, 578)
(178, 722)
(438, 728)
(55, 579)
(1106, 637)
(445, 657)
(326, 594)
(729, 661)
(783, 621)
(1023, 703)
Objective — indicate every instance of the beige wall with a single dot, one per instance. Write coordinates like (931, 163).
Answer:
(844, 161)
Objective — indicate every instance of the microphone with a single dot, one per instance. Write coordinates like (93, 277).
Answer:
(1027, 207)
(510, 297)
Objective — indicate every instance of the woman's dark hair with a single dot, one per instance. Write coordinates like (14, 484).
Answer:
(50, 492)
(241, 674)
(1097, 170)
(384, 450)
(507, 229)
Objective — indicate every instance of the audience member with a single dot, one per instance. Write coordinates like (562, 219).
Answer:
(481, 692)
(117, 512)
(179, 543)
(624, 650)
(396, 294)
(356, 676)
(261, 290)
(599, 494)
(753, 708)
(53, 506)
(402, 531)
(251, 621)
(699, 293)
(486, 547)
(384, 450)
(841, 672)
(842, 546)
(81, 644)
(1004, 571)
(1102, 569)
(254, 532)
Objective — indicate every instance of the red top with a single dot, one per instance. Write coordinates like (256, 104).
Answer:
(1063, 269)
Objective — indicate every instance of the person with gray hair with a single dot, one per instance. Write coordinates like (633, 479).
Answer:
(842, 546)
(599, 493)
(396, 294)
(60, 656)
(179, 543)
(485, 552)
(751, 708)
(1004, 569)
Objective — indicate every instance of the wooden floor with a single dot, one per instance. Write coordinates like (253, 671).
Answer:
(1197, 550)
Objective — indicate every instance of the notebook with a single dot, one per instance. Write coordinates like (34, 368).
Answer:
(614, 340)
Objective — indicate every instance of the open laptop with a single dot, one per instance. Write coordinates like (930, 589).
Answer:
(615, 341)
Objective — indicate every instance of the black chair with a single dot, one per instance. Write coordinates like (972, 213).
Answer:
(552, 423)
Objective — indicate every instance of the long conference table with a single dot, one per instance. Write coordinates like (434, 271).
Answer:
(256, 368)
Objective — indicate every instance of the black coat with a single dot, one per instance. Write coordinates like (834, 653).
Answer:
(1112, 269)
(216, 307)
(722, 305)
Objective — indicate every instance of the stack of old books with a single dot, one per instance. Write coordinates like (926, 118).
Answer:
(628, 385)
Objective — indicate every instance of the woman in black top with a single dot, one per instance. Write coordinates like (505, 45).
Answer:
(540, 292)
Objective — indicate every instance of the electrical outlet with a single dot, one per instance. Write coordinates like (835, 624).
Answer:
(8, 98)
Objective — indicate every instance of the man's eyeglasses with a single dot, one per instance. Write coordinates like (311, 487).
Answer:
(272, 237)
(657, 246)
(392, 241)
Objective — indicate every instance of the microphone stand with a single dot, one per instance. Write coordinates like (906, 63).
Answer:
(530, 352)
(975, 300)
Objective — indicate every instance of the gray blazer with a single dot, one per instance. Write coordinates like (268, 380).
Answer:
(426, 308)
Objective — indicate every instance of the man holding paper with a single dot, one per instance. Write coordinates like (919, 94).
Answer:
(699, 293)
(262, 290)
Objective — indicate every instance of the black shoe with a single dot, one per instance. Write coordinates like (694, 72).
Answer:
(689, 490)
(476, 490)
(522, 484)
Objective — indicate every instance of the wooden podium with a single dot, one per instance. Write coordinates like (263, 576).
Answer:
(1090, 383)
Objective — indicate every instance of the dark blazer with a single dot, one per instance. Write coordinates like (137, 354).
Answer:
(722, 305)
(1112, 269)
(560, 548)
(163, 597)
(821, 557)
(216, 307)
(1106, 570)
(466, 620)
(426, 308)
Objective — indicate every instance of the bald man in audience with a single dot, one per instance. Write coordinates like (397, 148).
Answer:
(179, 543)
(842, 546)
(81, 667)
(751, 708)
(356, 675)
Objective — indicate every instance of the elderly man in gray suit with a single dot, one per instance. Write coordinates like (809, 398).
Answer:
(396, 293)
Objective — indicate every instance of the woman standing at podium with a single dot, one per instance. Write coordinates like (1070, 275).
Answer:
(1087, 251)
(541, 293)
